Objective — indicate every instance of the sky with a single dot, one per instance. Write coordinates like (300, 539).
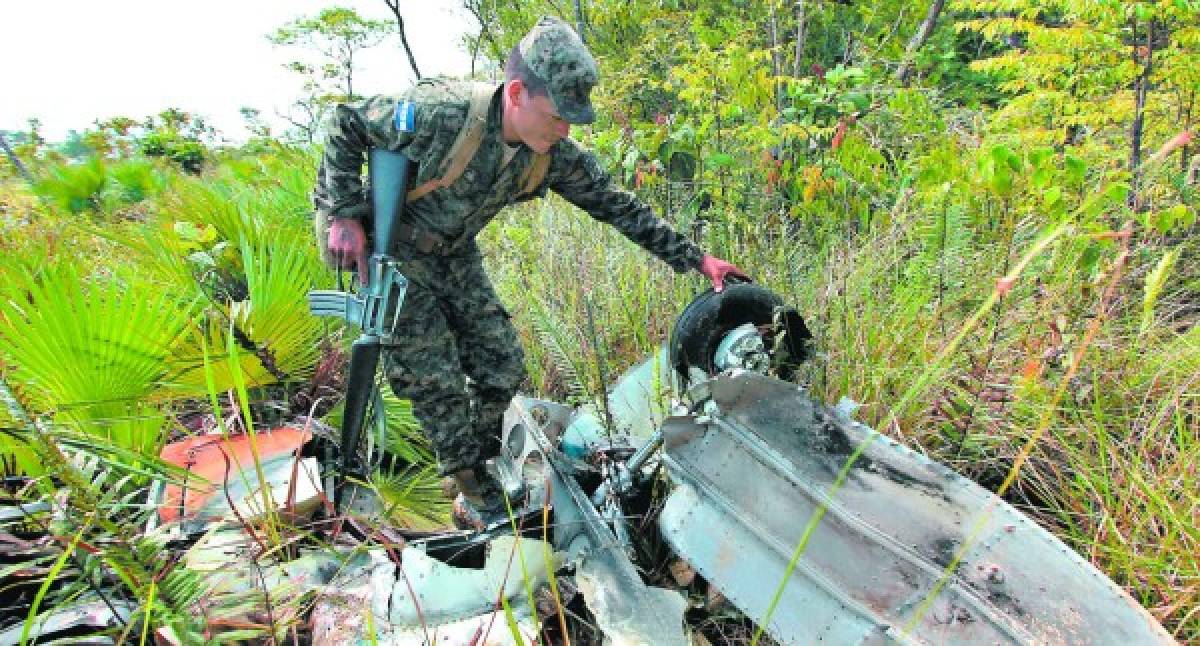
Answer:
(71, 63)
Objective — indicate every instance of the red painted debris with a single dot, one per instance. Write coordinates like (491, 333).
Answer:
(202, 455)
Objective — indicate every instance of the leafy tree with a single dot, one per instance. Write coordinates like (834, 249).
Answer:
(306, 113)
(337, 35)
(254, 122)
(1072, 68)
(74, 147)
(13, 165)
(178, 136)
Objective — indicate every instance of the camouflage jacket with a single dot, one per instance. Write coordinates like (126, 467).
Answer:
(458, 212)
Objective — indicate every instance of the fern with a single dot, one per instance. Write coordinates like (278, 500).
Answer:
(109, 560)
(555, 337)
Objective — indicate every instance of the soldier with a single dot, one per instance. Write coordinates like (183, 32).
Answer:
(452, 325)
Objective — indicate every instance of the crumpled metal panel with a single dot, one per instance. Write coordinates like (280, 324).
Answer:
(433, 592)
(753, 473)
(639, 399)
(432, 602)
(637, 403)
(626, 609)
(226, 471)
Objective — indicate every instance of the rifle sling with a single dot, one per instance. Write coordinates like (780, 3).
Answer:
(466, 144)
(421, 240)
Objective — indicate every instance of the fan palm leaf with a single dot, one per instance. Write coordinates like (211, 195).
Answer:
(279, 273)
(413, 498)
(212, 203)
(283, 337)
(92, 354)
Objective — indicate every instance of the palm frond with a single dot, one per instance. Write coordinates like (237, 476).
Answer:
(279, 274)
(199, 202)
(404, 437)
(555, 338)
(413, 498)
(74, 188)
(92, 354)
(135, 180)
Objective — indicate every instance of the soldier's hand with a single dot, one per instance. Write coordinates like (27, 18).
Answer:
(717, 269)
(348, 245)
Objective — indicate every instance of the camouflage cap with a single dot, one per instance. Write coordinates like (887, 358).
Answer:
(556, 54)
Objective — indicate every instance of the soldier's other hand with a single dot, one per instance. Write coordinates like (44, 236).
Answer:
(717, 269)
(348, 245)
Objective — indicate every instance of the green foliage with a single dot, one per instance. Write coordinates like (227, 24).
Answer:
(891, 216)
(103, 556)
(888, 214)
(75, 187)
(91, 355)
(279, 273)
(407, 480)
(188, 153)
(135, 180)
(336, 34)
(97, 186)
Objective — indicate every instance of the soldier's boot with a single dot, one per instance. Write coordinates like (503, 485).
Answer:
(480, 500)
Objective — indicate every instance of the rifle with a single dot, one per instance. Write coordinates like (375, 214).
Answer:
(368, 309)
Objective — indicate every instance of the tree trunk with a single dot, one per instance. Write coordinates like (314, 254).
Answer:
(918, 39)
(475, 54)
(798, 70)
(16, 161)
(1139, 114)
(394, 5)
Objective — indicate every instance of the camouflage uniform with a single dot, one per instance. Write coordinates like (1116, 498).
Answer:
(452, 325)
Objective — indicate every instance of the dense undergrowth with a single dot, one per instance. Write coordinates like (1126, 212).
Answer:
(985, 268)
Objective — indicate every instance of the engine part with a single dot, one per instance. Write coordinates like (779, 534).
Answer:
(706, 323)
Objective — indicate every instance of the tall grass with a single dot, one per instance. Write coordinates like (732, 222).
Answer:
(886, 269)
(1115, 474)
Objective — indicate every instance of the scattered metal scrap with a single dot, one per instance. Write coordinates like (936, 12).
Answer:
(714, 479)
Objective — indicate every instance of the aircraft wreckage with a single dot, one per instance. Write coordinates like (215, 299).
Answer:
(706, 487)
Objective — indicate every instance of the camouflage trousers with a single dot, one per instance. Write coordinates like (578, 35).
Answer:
(453, 327)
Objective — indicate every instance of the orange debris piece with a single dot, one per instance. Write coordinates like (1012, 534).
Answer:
(202, 455)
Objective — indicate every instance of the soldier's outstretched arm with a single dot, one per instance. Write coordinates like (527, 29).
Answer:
(577, 176)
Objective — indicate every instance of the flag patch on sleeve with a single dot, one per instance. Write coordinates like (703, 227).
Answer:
(406, 116)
